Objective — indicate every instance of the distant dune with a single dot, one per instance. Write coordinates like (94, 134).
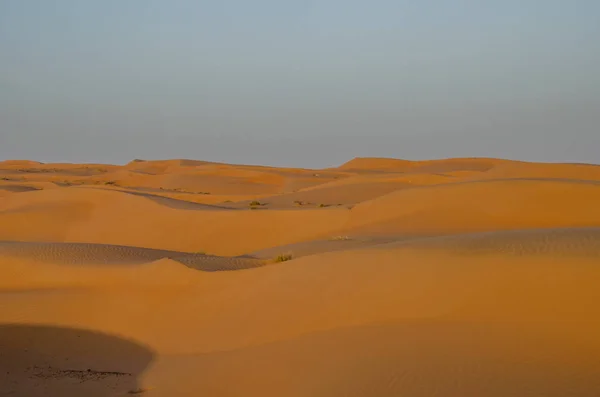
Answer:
(381, 277)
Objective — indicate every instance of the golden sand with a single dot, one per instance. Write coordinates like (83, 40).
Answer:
(454, 277)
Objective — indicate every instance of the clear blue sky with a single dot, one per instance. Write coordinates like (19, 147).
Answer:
(299, 83)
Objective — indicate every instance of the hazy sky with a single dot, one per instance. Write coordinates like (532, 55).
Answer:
(299, 83)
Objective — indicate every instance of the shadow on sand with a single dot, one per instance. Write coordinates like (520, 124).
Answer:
(40, 360)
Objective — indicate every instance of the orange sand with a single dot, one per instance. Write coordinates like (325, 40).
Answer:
(454, 277)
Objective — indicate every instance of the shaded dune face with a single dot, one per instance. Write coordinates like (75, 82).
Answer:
(40, 360)
(381, 277)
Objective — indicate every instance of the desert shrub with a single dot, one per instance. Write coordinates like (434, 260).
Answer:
(283, 258)
(340, 238)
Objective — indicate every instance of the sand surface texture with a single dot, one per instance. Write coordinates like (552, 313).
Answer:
(381, 277)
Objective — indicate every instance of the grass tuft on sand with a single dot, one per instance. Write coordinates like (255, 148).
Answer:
(283, 258)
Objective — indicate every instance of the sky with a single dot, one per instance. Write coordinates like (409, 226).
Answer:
(309, 83)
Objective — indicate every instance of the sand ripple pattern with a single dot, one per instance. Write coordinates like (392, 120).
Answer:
(17, 188)
(106, 254)
(580, 242)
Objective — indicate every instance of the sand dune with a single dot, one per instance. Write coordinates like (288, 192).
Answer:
(10, 164)
(482, 205)
(334, 194)
(412, 317)
(454, 277)
(374, 163)
(427, 166)
(114, 217)
(321, 292)
(536, 170)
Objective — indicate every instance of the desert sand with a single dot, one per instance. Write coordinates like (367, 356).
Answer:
(380, 277)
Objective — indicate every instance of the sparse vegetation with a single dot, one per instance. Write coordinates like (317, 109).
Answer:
(340, 238)
(138, 391)
(110, 182)
(301, 203)
(283, 258)
(37, 170)
(181, 190)
(323, 205)
(71, 183)
(255, 203)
